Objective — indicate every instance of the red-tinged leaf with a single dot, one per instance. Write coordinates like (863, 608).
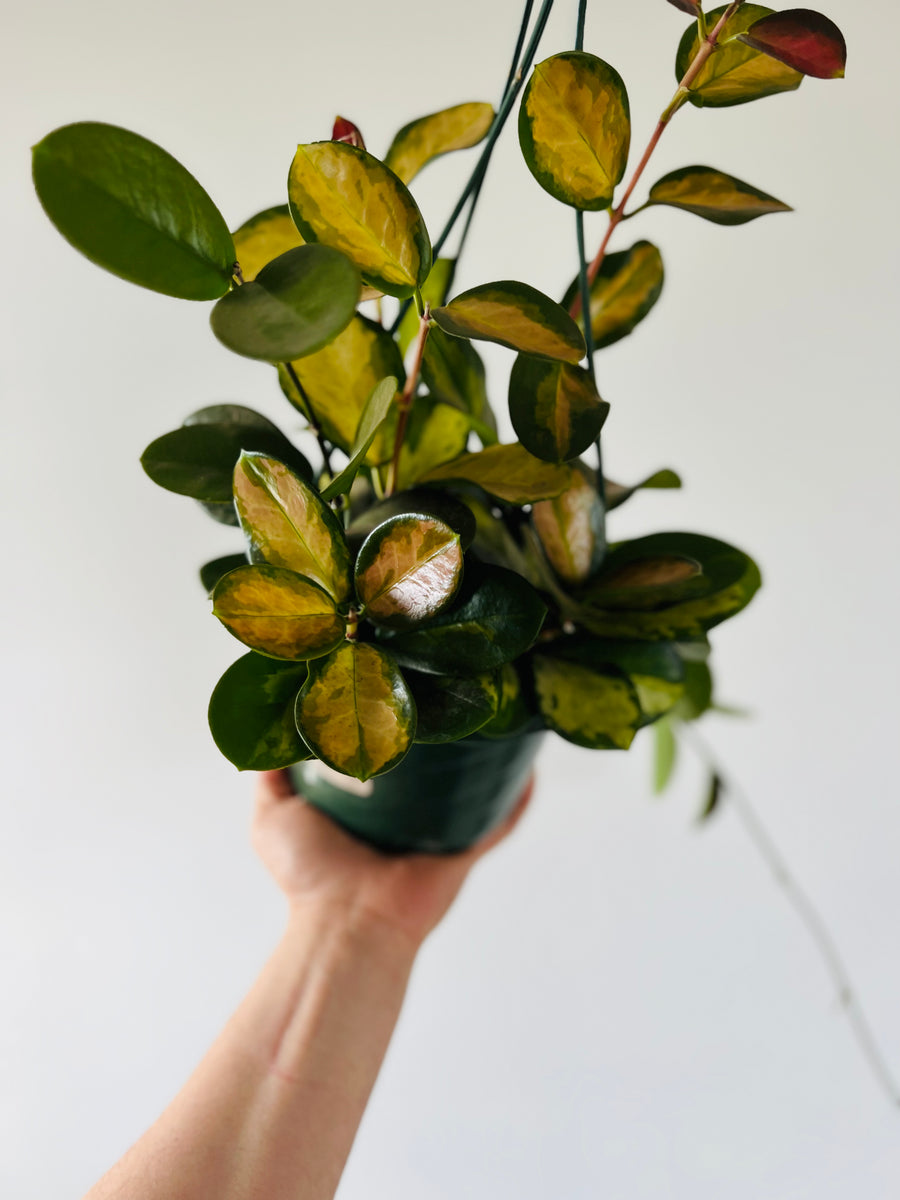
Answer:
(346, 131)
(802, 39)
(691, 7)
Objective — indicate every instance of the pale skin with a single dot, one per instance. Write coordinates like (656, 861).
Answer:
(272, 1109)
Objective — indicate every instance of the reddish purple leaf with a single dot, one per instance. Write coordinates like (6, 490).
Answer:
(802, 39)
(346, 131)
(691, 7)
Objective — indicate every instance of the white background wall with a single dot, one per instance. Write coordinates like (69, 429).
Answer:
(620, 1005)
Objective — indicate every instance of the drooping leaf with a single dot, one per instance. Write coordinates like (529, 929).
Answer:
(575, 128)
(618, 493)
(515, 315)
(355, 711)
(339, 380)
(436, 433)
(435, 290)
(495, 617)
(251, 713)
(375, 413)
(211, 572)
(278, 612)
(287, 525)
(508, 472)
(713, 797)
(130, 207)
(713, 195)
(431, 503)
(555, 408)
(296, 305)
(198, 459)
(452, 707)
(344, 197)
(264, 237)
(454, 374)
(802, 39)
(733, 73)
(664, 756)
(627, 286)
(729, 581)
(596, 708)
(408, 570)
(426, 138)
(570, 528)
(513, 712)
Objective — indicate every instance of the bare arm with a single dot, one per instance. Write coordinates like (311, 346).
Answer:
(273, 1108)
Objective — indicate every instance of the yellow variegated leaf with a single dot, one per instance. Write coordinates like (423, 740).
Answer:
(508, 472)
(570, 528)
(288, 525)
(434, 293)
(626, 288)
(713, 195)
(339, 379)
(408, 570)
(437, 433)
(344, 197)
(733, 73)
(278, 612)
(575, 128)
(515, 315)
(264, 237)
(422, 140)
(355, 711)
(555, 408)
(589, 707)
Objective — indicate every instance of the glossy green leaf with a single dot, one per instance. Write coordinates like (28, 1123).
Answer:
(198, 459)
(375, 413)
(513, 712)
(211, 572)
(339, 380)
(435, 290)
(570, 528)
(430, 503)
(495, 617)
(263, 238)
(715, 789)
(128, 206)
(802, 39)
(295, 306)
(287, 524)
(713, 195)
(618, 493)
(508, 472)
(278, 612)
(575, 128)
(647, 583)
(555, 408)
(733, 73)
(596, 708)
(344, 197)
(452, 707)
(515, 315)
(408, 570)
(454, 374)
(251, 713)
(426, 138)
(665, 754)
(729, 581)
(627, 286)
(355, 711)
(436, 434)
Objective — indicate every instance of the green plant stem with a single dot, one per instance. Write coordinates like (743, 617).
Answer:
(579, 26)
(807, 912)
(681, 95)
(306, 409)
(407, 398)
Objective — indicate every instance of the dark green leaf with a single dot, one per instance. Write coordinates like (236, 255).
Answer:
(408, 570)
(295, 306)
(212, 571)
(627, 286)
(449, 707)
(515, 315)
(128, 206)
(454, 373)
(713, 195)
(713, 797)
(377, 408)
(733, 73)
(513, 711)
(251, 713)
(555, 408)
(654, 669)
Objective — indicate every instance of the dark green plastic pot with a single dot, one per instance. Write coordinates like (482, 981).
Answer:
(440, 799)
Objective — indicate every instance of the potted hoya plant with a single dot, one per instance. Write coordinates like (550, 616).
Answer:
(421, 601)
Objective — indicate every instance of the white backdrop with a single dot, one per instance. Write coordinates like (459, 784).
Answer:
(620, 1004)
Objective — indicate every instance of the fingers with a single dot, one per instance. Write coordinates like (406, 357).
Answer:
(274, 786)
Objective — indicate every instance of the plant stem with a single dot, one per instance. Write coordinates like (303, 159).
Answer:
(306, 409)
(407, 398)
(708, 45)
(579, 27)
(807, 912)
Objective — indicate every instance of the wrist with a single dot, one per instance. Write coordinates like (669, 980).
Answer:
(348, 926)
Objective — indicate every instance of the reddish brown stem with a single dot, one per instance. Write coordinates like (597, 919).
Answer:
(407, 397)
(681, 95)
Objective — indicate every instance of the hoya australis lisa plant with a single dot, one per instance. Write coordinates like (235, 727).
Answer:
(423, 582)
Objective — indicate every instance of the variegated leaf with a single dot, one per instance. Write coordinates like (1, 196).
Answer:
(570, 528)
(408, 570)
(251, 713)
(713, 195)
(733, 73)
(627, 286)
(515, 315)
(278, 612)
(508, 472)
(426, 138)
(555, 408)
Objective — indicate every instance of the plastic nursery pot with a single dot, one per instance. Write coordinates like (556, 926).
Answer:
(441, 798)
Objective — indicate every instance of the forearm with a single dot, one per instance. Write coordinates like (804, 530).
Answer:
(273, 1108)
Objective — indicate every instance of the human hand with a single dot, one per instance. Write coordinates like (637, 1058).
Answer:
(318, 864)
